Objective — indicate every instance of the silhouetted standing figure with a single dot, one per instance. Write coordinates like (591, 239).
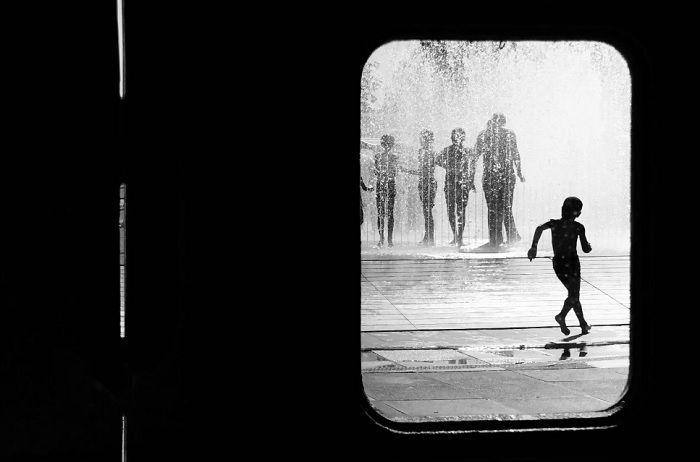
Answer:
(567, 267)
(498, 148)
(458, 162)
(427, 184)
(386, 168)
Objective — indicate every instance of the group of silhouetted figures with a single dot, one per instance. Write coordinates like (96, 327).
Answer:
(497, 146)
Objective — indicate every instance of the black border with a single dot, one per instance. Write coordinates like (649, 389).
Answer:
(186, 99)
(631, 407)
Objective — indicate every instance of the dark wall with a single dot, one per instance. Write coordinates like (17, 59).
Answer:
(69, 143)
(58, 178)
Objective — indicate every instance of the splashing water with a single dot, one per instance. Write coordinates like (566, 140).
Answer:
(568, 104)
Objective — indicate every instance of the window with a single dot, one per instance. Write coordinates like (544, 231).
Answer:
(466, 148)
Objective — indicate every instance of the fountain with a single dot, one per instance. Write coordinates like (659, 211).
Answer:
(568, 104)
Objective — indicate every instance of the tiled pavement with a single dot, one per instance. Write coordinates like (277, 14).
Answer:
(469, 339)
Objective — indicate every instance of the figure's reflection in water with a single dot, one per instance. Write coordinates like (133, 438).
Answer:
(582, 352)
(566, 354)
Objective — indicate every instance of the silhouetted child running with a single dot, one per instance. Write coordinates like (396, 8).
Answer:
(567, 267)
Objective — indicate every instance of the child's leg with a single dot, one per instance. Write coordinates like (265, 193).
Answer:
(500, 209)
(431, 203)
(578, 309)
(450, 202)
(574, 293)
(511, 230)
(427, 217)
(429, 233)
(561, 317)
(561, 270)
(381, 211)
(491, 204)
(422, 190)
(461, 208)
(391, 196)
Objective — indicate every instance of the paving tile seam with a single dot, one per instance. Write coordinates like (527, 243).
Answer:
(530, 270)
(542, 258)
(519, 262)
(498, 263)
(369, 318)
(501, 417)
(525, 313)
(392, 407)
(474, 301)
(398, 327)
(476, 369)
(466, 264)
(560, 384)
(517, 367)
(522, 346)
(386, 323)
(437, 297)
(495, 400)
(589, 268)
(455, 276)
(457, 321)
(604, 271)
(468, 329)
(396, 308)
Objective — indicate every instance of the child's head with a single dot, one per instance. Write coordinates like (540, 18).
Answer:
(571, 208)
(387, 141)
(498, 119)
(458, 136)
(426, 137)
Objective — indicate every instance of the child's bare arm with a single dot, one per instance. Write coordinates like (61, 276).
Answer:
(585, 245)
(516, 155)
(371, 147)
(532, 253)
(538, 233)
(364, 186)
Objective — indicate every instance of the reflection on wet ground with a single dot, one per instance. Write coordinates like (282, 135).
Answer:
(577, 355)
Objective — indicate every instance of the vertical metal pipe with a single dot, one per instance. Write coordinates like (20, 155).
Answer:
(120, 45)
(122, 260)
(123, 437)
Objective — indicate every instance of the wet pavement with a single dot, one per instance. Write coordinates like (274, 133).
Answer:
(487, 374)
(472, 337)
(484, 293)
(547, 337)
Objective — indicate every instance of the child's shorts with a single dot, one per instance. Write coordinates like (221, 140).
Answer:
(568, 270)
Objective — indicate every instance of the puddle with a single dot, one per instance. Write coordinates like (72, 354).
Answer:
(421, 355)
(461, 361)
(609, 356)
(594, 352)
(466, 362)
(515, 356)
